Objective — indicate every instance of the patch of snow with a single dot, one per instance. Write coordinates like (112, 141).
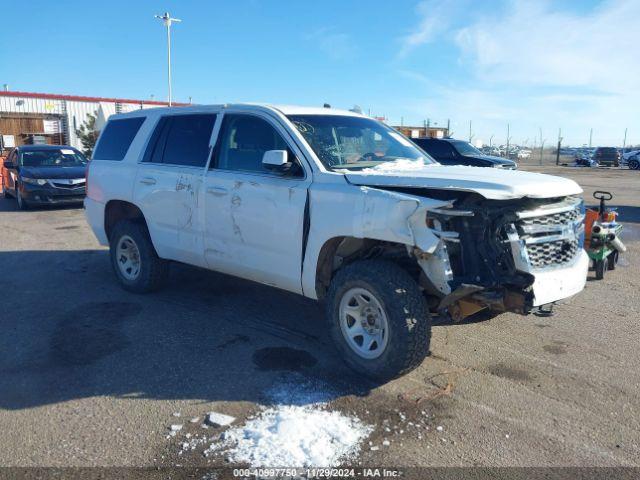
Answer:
(176, 414)
(292, 435)
(175, 428)
(399, 165)
(296, 429)
(439, 428)
(216, 419)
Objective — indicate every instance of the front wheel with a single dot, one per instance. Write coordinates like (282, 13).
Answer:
(634, 164)
(134, 259)
(379, 319)
(22, 204)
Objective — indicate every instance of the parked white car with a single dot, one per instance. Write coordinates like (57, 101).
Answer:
(337, 207)
(524, 153)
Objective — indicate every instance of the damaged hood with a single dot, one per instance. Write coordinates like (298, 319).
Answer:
(491, 183)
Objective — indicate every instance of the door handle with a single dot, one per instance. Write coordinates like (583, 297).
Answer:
(219, 191)
(148, 180)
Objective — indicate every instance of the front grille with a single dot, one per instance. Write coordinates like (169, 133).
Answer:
(549, 236)
(550, 254)
(67, 186)
(556, 219)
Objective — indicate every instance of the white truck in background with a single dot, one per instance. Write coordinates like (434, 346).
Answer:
(337, 207)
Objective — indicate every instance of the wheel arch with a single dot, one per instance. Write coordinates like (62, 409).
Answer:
(339, 251)
(117, 210)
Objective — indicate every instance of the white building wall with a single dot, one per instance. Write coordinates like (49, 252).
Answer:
(74, 111)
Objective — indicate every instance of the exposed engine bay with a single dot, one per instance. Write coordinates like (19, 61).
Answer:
(492, 250)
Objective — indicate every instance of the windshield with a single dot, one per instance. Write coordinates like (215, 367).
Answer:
(465, 148)
(65, 157)
(345, 142)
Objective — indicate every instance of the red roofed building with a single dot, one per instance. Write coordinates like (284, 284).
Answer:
(28, 117)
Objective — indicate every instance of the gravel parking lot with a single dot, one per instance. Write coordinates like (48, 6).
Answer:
(91, 375)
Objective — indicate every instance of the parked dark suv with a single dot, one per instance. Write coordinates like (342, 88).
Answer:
(607, 156)
(44, 175)
(449, 151)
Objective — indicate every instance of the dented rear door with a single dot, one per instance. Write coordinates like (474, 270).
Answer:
(168, 186)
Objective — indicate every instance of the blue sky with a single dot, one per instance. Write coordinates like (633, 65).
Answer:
(532, 64)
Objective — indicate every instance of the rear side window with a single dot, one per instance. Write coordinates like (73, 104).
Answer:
(181, 140)
(116, 138)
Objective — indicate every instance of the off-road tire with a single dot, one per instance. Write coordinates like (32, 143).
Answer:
(408, 317)
(612, 260)
(153, 270)
(600, 267)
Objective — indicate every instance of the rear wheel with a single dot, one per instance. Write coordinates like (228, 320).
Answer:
(379, 319)
(634, 164)
(600, 268)
(612, 260)
(134, 259)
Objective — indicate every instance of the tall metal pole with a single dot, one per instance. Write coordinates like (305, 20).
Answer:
(590, 137)
(169, 59)
(541, 146)
(508, 139)
(624, 142)
(559, 146)
(167, 20)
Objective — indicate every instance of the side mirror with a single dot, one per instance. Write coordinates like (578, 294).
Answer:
(275, 158)
(9, 164)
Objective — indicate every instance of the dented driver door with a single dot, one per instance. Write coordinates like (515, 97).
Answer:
(254, 216)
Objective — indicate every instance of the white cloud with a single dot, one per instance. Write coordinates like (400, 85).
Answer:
(434, 19)
(534, 65)
(336, 45)
(533, 44)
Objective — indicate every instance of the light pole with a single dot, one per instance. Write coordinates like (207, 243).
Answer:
(167, 20)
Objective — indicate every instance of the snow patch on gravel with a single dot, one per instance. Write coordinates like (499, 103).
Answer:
(298, 429)
(295, 436)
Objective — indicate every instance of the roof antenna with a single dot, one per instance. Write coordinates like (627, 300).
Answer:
(326, 105)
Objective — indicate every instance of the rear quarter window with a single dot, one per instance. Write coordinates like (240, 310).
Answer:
(116, 138)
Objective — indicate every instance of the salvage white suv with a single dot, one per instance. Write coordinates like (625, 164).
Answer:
(337, 207)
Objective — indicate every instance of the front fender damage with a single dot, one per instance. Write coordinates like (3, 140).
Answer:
(396, 217)
(401, 218)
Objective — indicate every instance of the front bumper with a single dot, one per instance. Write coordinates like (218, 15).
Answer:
(46, 195)
(558, 283)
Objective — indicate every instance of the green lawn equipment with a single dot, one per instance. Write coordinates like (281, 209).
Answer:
(602, 236)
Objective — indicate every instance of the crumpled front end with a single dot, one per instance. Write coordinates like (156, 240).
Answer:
(505, 255)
